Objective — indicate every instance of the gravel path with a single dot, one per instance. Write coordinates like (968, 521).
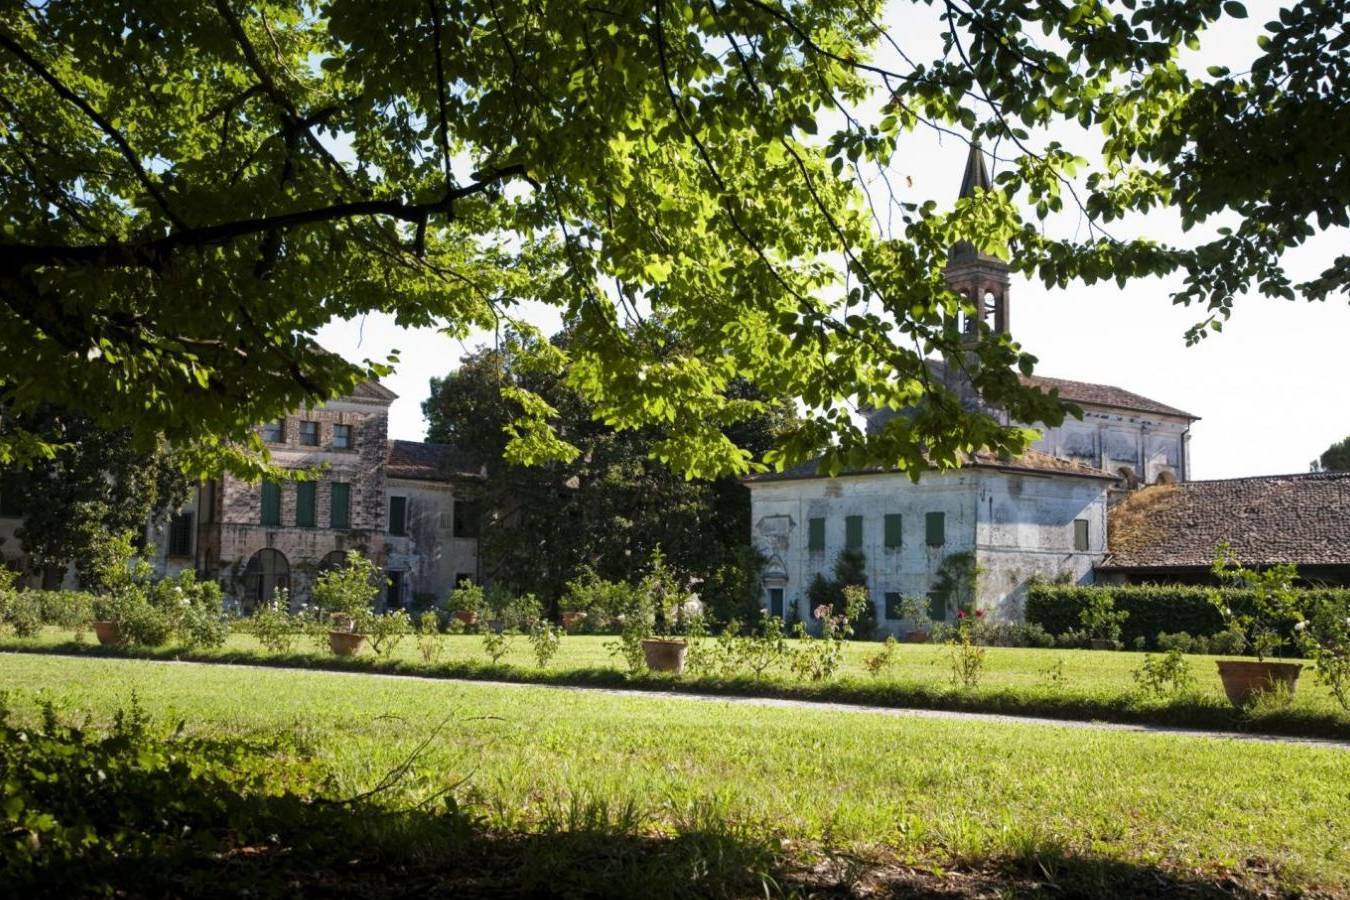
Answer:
(974, 718)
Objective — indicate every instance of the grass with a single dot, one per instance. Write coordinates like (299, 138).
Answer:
(1066, 684)
(924, 795)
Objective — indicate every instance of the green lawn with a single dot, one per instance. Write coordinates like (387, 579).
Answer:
(1077, 684)
(930, 791)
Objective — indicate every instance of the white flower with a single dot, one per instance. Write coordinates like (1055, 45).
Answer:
(1300, 626)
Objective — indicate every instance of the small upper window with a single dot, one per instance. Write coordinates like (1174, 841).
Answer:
(342, 437)
(274, 432)
(1080, 535)
(309, 434)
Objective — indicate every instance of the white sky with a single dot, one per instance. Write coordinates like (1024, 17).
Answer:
(1270, 389)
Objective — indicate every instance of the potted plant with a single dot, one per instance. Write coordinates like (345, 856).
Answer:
(123, 580)
(466, 602)
(1274, 608)
(1102, 621)
(915, 611)
(347, 594)
(658, 610)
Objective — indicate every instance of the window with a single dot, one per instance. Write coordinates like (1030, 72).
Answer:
(266, 571)
(309, 434)
(895, 605)
(894, 532)
(342, 437)
(935, 526)
(776, 602)
(937, 606)
(340, 505)
(1080, 534)
(467, 516)
(271, 503)
(275, 432)
(11, 496)
(815, 535)
(206, 502)
(853, 532)
(398, 515)
(180, 535)
(304, 504)
(393, 597)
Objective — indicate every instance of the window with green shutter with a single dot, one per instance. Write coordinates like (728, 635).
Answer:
(271, 503)
(815, 535)
(935, 525)
(853, 532)
(1080, 535)
(304, 504)
(340, 505)
(895, 605)
(894, 532)
(937, 606)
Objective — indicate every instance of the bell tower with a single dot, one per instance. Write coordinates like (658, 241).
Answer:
(982, 279)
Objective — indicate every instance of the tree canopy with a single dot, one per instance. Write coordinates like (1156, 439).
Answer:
(1335, 458)
(191, 188)
(610, 507)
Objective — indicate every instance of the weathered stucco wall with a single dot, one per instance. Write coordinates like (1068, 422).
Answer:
(430, 555)
(1149, 445)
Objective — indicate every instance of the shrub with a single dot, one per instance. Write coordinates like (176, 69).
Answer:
(385, 632)
(1324, 636)
(429, 643)
(967, 657)
(883, 660)
(349, 590)
(1181, 642)
(496, 644)
(545, 639)
(273, 625)
(602, 601)
(1154, 608)
(22, 612)
(1100, 618)
(467, 597)
(1160, 676)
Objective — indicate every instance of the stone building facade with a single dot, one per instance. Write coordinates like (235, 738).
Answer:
(396, 502)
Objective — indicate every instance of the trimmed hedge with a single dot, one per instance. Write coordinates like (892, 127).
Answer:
(1153, 608)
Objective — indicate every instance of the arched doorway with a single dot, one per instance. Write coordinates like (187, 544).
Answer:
(266, 571)
(334, 560)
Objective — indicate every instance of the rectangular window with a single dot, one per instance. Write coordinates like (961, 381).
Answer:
(11, 496)
(398, 515)
(815, 535)
(340, 505)
(206, 502)
(180, 535)
(853, 532)
(894, 531)
(937, 606)
(309, 434)
(467, 517)
(304, 504)
(776, 602)
(275, 432)
(342, 437)
(935, 527)
(895, 605)
(1080, 534)
(271, 503)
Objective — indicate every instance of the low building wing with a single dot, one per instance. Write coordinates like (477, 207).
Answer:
(420, 461)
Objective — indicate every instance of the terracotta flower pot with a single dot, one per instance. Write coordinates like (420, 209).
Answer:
(1244, 679)
(346, 643)
(341, 622)
(665, 654)
(468, 617)
(572, 619)
(917, 636)
(109, 633)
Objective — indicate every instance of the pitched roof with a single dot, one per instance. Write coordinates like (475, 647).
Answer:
(976, 176)
(1031, 461)
(373, 390)
(1302, 519)
(428, 462)
(1103, 395)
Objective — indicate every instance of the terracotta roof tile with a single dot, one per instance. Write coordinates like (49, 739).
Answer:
(1030, 461)
(428, 462)
(1302, 519)
(1103, 395)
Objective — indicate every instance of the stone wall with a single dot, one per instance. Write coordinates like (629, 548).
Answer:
(1150, 446)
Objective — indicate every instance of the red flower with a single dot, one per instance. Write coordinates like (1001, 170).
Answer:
(979, 614)
(960, 613)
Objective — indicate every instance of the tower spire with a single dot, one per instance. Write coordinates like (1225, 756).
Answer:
(977, 176)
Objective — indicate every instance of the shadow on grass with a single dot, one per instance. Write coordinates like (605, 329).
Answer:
(1189, 712)
(140, 811)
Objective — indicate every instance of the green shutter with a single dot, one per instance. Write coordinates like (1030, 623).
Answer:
(340, 505)
(893, 531)
(304, 504)
(853, 536)
(1080, 534)
(895, 605)
(271, 503)
(937, 606)
(935, 524)
(815, 537)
